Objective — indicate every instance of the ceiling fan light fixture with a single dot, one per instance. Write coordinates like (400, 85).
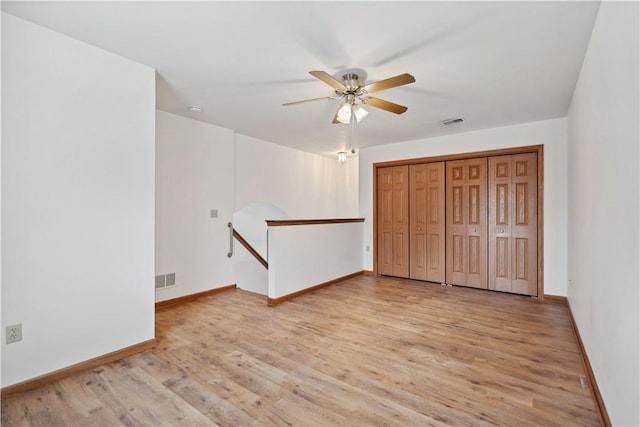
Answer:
(342, 156)
(344, 113)
(359, 112)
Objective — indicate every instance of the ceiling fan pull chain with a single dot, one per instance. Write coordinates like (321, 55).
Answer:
(353, 130)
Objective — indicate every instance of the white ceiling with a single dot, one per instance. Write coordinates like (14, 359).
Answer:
(493, 63)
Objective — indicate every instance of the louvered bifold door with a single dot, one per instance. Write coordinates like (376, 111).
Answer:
(393, 220)
(466, 211)
(513, 220)
(427, 222)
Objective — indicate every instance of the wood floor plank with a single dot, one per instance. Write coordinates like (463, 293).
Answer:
(214, 407)
(367, 351)
(140, 400)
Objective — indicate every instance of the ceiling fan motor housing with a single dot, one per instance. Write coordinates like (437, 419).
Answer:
(352, 82)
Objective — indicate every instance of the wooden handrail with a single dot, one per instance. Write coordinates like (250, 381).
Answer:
(252, 251)
(282, 222)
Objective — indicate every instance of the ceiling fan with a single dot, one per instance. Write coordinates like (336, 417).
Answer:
(352, 90)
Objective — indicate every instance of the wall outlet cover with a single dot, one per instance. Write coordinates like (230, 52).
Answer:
(14, 333)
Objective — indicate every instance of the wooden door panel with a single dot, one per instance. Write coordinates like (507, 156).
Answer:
(513, 223)
(418, 256)
(502, 258)
(385, 263)
(458, 254)
(393, 221)
(455, 259)
(401, 221)
(474, 205)
(524, 227)
(457, 205)
(418, 214)
(398, 260)
(427, 222)
(434, 255)
(436, 223)
(385, 220)
(386, 213)
(477, 223)
(467, 222)
(500, 246)
(502, 204)
(521, 202)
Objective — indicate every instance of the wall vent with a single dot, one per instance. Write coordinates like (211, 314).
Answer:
(160, 282)
(171, 279)
(452, 121)
(165, 281)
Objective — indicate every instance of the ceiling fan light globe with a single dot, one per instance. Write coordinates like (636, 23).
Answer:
(359, 112)
(344, 114)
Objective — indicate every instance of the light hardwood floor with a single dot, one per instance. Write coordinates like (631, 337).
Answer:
(367, 351)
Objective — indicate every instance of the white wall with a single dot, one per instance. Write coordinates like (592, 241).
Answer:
(302, 256)
(250, 223)
(603, 208)
(77, 200)
(249, 274)
(1, 188)
(300, 184)
(194, 175)
(550, 133)
(303, 185)
(200, 167)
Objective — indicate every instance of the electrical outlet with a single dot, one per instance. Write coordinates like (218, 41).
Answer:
(367, 248)
(214, 213)
(14, 333)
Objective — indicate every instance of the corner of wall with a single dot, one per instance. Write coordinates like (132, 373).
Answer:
(604, 229)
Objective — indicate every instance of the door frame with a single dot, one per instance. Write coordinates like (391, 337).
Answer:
(538, 149)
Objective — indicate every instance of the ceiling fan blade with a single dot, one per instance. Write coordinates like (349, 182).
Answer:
(326, 77)
(384, 105)
(324, 98)
(399, 80)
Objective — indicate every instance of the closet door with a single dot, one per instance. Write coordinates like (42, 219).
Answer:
(427, 222)
(466, 212)
(513, 221)
(393, 221)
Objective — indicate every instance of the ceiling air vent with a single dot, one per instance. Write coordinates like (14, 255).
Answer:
(452, 121)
